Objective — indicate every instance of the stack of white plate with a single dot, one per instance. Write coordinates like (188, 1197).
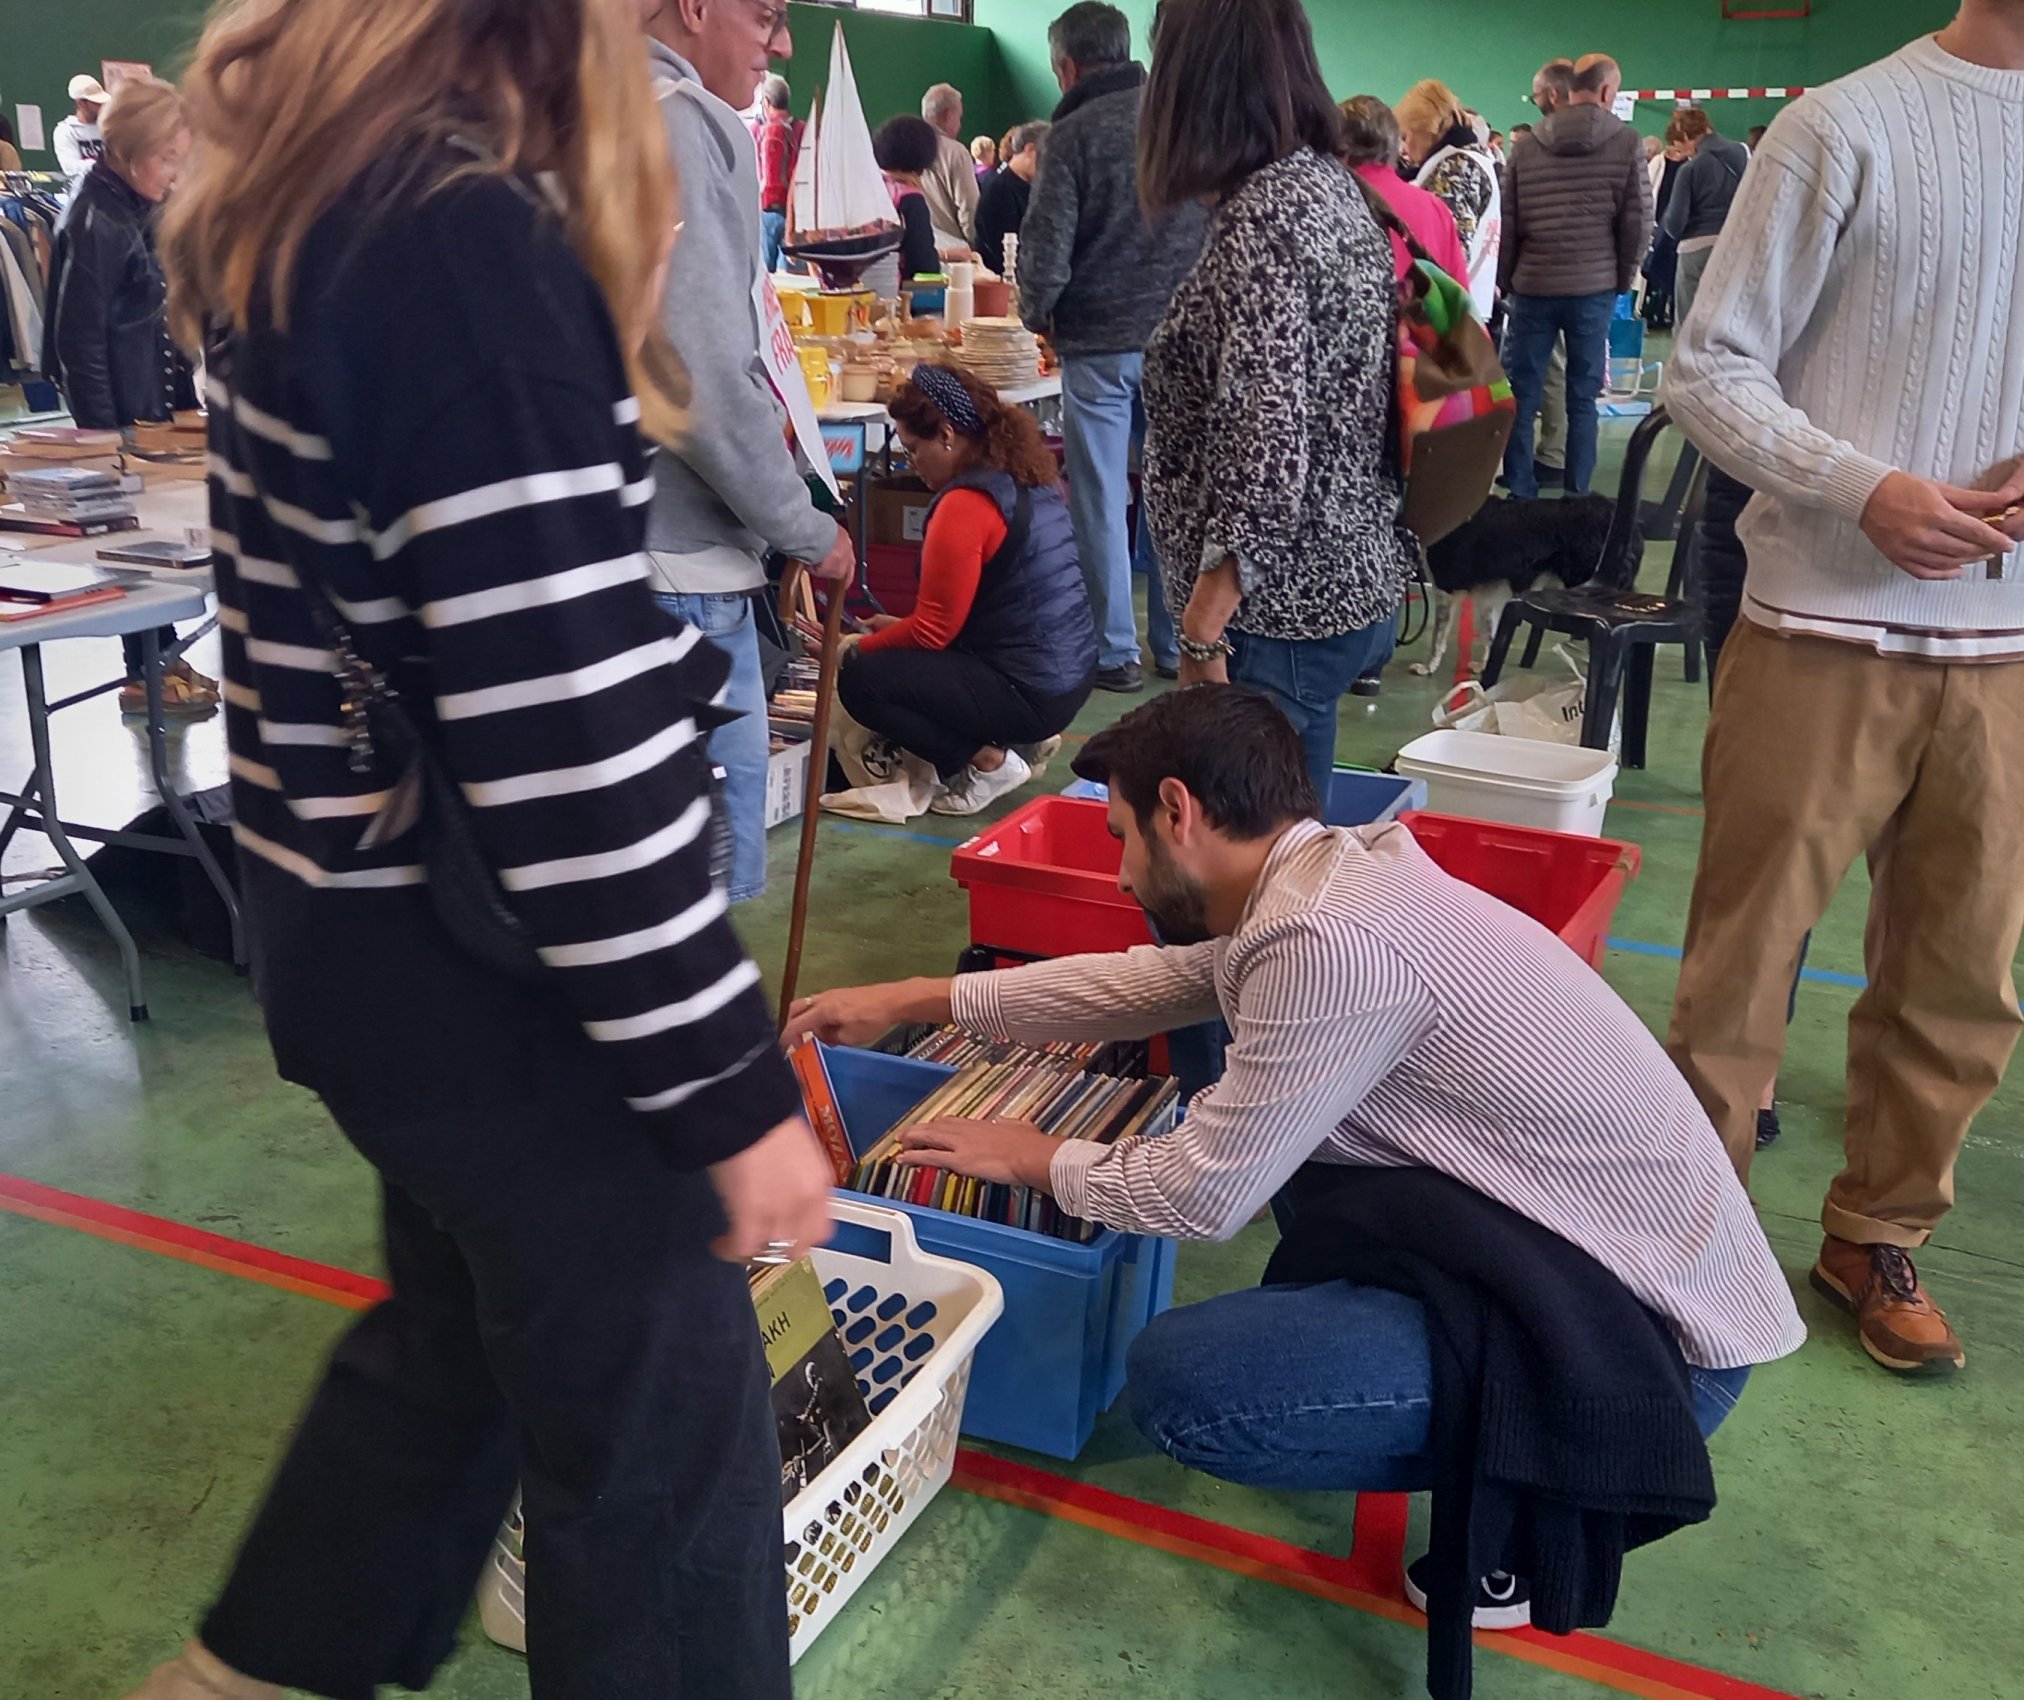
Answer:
(1002, 352)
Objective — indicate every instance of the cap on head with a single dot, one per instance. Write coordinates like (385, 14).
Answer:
(88, 89)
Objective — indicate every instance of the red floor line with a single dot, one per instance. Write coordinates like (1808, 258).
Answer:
(1369, 1584)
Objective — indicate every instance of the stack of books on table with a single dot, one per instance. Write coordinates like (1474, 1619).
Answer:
(31, 588)
(67, 501)
(1054, 1095)
(63, 445)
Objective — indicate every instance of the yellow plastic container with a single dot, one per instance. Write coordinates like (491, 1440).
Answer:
(815, 368)
(832, 314)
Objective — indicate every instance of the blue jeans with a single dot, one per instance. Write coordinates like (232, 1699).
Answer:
(1102, 416)
(1324, 1388)
(772, 237)
(1532, 326)
(1308, 679)
(741, 748)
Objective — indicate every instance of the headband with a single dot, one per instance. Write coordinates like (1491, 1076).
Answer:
(951, 399)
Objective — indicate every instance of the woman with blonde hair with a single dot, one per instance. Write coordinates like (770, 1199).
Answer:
(105, 341)
(1444, 155)
(420, 242)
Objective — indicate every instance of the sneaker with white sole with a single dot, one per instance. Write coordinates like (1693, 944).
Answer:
(972, 791)
(1503, 1601)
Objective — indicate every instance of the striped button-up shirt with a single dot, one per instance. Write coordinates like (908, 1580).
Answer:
(1384, 1014)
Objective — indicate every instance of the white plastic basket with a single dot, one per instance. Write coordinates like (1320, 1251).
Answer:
(845, 1521)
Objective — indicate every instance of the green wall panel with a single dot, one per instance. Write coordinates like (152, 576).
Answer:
(1487, 50)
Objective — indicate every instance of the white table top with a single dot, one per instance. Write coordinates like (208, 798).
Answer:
(149, 602)
(1020, 395)
(156, 596)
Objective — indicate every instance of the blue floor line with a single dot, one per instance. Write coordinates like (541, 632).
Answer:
(893, 832)
(1823, 976)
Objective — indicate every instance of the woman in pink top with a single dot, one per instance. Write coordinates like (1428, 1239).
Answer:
(1370, 148)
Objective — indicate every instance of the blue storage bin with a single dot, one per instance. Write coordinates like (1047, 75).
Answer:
(1356, 796)
(1055, 1361)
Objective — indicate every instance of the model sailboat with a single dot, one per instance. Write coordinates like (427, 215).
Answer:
(843, 212)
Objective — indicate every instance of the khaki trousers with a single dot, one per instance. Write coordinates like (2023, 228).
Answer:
(1818, 752)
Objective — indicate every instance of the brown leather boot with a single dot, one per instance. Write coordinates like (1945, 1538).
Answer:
(199, 1674)
(1898, 1325)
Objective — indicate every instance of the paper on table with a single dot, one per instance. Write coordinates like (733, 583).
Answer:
(28, 129)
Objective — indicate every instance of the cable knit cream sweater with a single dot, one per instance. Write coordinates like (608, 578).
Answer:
(1861, 315)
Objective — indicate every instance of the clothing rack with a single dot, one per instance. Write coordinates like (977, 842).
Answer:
(29, 211)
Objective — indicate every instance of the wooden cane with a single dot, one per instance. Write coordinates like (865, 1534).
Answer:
(818, 769)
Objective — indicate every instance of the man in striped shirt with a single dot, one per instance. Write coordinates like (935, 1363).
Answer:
(1383, 1014)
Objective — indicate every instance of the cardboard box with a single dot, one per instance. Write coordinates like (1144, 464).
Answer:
(899, 511)
(786, 784)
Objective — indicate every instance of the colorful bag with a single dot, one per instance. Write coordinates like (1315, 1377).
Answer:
(1456, 409)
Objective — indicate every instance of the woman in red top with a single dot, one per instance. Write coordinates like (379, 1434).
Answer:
(1370, 148)
(999, 654)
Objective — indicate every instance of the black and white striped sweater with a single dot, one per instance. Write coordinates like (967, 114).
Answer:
(445, 439)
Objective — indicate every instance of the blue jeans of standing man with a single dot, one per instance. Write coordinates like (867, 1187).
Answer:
(772, 236)
(1102, 416)
(1532, 326)
(1322, 1388)
(741, 748)
(1308, 678)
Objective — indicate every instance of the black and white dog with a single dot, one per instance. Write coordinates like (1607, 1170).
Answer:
(1508, 548)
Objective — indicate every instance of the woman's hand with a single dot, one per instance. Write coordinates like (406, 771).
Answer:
(1212, 606)
(1216, 672)
(775, 1194)
(882, 622)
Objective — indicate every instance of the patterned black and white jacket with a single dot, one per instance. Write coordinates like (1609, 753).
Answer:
(1269, 409)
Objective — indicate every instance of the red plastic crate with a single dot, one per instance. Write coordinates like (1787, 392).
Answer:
(1043, 882)
(1564, 882)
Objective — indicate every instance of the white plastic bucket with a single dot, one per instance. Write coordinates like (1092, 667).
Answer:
(1519, 781)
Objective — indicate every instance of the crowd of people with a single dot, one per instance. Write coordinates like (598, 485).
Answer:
(498, 465)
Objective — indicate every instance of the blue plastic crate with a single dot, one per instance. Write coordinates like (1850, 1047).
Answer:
(1055, 1361)
(1356, 796)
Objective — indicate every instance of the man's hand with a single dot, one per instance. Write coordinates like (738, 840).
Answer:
(775, 1192)
(840, 564)
(1007, 1153)
(1933, 530)
(857, 1015)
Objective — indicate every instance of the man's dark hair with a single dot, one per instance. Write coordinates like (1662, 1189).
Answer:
(906, 143)
(1235, 87)
(1370, 131)
(1231, 747)
(1090, 35)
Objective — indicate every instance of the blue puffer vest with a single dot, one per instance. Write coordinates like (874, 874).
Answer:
(1031, 618)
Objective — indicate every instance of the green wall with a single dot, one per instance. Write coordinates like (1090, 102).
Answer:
(1487, 50)
(44, 43)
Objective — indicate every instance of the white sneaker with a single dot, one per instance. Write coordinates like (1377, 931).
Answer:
(1037, 756)
(971, 791)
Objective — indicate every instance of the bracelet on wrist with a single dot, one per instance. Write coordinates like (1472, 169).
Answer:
(1193, 650)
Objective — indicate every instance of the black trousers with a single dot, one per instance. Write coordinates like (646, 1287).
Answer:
(558, 1321)
(1721, 562)
(944, 705)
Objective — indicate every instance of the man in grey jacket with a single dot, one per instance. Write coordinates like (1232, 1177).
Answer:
(731, 489)
(1577, 222)
(1095, 278)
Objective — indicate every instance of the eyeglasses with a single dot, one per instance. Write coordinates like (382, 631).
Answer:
(775, 19)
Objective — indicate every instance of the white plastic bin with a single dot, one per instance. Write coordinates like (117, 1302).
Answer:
(845, 1521)
(1519, 781)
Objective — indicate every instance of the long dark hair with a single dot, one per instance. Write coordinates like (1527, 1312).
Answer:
(1235, 87)
(1011, 440)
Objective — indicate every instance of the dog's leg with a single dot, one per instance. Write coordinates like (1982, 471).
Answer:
(1491, 601)
(1445, 605)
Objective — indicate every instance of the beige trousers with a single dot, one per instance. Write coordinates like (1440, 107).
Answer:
(1818, 752)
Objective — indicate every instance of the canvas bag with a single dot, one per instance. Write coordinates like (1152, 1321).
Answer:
(1456, 409)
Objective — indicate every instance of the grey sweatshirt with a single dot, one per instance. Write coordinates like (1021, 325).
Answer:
(1093, 274)
(731, 483)
(1706, 186)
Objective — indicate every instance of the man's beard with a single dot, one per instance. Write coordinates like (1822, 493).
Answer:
(1175, 906)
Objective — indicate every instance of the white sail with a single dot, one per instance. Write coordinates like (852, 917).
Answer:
(850, 190)
(804, 168)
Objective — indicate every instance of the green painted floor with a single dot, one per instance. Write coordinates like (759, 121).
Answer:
(1868, 1544)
